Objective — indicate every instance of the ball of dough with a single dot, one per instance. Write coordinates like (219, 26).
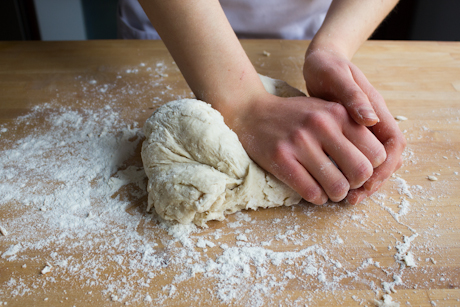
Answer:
(197, 168)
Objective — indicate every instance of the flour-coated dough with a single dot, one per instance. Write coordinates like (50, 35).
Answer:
(197, 168)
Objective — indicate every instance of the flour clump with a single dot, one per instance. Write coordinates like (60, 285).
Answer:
(197, 168)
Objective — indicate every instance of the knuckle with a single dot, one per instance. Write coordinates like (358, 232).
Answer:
(319, 119)
(324, 123)
(374, 96)
(356, 96)
(338, 110)
(280, 153)
(299, 137)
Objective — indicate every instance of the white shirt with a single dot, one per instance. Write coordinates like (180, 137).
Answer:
(284, 19)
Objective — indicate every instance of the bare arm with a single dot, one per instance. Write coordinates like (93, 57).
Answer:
(349, 23)
(207, 51)
(291, 138)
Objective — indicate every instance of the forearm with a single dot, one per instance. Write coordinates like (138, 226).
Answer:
(206, 50)
(349, 23)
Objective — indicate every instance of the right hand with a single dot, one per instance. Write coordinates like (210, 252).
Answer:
(330, 75)
(293, 138)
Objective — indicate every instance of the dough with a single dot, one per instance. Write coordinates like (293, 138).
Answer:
(279, 87)
(197, 168)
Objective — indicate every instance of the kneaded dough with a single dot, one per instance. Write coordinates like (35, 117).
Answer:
(197, 168)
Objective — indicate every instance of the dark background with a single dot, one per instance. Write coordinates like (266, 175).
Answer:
(410, 20)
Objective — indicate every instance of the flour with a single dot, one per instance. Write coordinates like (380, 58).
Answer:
(401, 118)
(199, 171)
(387, 302)
(47, 269)
(73, 202)
(402, 187)
(3, 231)
(403, 251)
(10, 253)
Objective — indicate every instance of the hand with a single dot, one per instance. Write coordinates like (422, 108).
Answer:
(293, 138)
(330, 75)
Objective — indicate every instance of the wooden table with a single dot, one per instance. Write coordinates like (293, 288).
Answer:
(77, 230)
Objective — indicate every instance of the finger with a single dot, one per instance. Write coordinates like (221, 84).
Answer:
(351, 161)
(388, 132)
(355, 162)
(358, 195)
(394, 149)
(366, 142)
(294, 174)
(350, 94)
(318, 164)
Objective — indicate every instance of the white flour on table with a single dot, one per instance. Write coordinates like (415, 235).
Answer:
(73, 198)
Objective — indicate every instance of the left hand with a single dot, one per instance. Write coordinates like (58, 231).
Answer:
(329, 75)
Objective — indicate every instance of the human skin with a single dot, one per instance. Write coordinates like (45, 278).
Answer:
(293, 138)
(330, 75)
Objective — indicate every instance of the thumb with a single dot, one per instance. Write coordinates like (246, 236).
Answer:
(354, 94)
(358, 106)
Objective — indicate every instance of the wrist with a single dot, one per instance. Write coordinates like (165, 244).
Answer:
(236, 102)
(331, 46)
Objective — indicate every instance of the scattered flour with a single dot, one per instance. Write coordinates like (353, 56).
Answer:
(403, 187)
(3, 231)
(403, 253)
(74, 193)
(386, 302)
(11, 252)
(400, 117)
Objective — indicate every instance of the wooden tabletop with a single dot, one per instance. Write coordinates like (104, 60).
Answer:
(73, 200)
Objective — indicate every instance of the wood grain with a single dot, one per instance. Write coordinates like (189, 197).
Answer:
(419, 80)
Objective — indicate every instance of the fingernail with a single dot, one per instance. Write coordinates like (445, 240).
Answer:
(352, 198)
(368, 114)
(370, 186)
(360, 198)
